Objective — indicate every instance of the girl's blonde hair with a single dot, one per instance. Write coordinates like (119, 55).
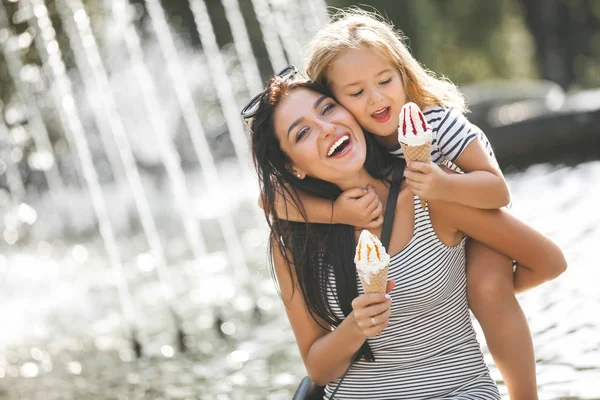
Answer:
(358, 29)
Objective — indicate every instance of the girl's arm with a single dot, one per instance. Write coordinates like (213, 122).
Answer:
(356, 207)
(539, 258)
(481, 186)
(457, 140)
(327, 353)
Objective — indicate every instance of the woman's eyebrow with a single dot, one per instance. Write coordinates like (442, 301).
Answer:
(299, 120)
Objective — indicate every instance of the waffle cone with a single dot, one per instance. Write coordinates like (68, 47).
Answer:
(417, 153)
(378, 281)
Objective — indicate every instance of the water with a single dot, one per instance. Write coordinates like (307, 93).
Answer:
(65, 340)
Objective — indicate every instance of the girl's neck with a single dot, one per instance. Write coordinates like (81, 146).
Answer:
(390, 142)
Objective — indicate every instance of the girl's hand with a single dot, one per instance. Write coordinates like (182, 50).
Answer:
(358, 207)
(372, 311)
(426, 180)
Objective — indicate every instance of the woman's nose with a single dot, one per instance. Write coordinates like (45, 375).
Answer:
(327, 130)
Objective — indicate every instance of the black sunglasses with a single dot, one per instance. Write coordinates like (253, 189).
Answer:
(248, 112)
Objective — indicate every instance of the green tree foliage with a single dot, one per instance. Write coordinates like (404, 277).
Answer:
(465, 40)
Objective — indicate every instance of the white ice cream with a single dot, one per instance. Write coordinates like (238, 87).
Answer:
(414, 129)
(371, 256)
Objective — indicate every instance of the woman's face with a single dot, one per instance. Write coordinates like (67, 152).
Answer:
(322, 139)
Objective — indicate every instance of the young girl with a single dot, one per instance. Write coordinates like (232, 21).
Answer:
(368, 69)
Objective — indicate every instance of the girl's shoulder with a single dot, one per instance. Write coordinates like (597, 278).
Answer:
(438, 113)
(442, 118)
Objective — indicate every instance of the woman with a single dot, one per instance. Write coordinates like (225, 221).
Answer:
(417, 341)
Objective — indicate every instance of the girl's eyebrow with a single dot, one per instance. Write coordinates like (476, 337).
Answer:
(378, 74)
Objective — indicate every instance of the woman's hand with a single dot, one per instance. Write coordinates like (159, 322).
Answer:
(426, 180)
(372, 311)
(358, 207)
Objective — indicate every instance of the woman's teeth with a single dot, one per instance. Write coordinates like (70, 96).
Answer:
(337, 144)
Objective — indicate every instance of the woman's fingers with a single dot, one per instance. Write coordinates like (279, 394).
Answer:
(365, 300)
(371, 313)
(376, 324)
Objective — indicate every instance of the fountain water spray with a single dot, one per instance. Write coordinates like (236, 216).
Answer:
(13, 177)
(168, 153)
(241, 41)
(63, 96)
(269, 34)
(197, 134)
(76, 23)
(11, 48)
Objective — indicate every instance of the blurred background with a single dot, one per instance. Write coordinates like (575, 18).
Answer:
(132, 254)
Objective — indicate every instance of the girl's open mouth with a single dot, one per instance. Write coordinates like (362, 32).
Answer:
(382, 115)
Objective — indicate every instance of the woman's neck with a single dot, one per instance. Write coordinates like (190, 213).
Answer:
(362, 180)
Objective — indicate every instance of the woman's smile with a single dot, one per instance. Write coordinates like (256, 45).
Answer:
(340, 147)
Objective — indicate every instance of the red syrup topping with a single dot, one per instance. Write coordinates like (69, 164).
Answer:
(423, 123)
(413, 125)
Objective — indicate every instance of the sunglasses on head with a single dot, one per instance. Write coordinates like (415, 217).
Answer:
(288, 74)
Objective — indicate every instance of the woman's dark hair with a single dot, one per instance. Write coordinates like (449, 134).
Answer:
(315, 252)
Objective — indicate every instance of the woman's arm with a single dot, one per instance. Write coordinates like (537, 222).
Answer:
(539, 258)
(327, 353)
(482, 185)
(356, 207)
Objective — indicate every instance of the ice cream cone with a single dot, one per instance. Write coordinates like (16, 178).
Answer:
(378, 282)
(420, 153)
(372, 263)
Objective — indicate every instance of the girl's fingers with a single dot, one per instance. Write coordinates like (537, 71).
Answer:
(377, 211)
(375, 223)
(414, 185)
(372, 206)
(355, 193)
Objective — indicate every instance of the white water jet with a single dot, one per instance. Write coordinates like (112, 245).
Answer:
(168, 153)
(11, 48)
(62, 93)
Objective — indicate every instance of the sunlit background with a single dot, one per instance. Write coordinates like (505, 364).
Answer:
(132, 254)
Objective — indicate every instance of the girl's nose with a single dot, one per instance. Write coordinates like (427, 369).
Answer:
(376, 97)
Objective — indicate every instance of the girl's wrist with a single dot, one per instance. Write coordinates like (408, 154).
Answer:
(446, 185)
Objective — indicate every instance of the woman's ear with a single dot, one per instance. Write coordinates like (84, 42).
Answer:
(296, 171)
(300, 175)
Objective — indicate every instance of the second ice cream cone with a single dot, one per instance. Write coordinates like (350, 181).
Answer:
(417, 153)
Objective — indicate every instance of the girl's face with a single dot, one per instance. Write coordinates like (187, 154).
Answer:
(322, 139)
(371, 88)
